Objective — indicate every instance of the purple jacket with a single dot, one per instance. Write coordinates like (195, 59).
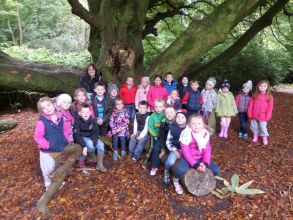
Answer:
(242, 102)
(191, 153)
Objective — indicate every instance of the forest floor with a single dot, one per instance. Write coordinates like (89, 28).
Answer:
(128, 192)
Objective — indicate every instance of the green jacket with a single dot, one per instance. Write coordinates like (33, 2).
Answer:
(226, 105)
(155, 122)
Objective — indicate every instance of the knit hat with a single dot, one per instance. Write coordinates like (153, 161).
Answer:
(183, 112)
(248, 84)
(61, 98)
(212, 80)
(111, 87)
(225, 84)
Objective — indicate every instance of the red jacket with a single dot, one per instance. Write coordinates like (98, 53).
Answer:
(260, 108)
(128, 95)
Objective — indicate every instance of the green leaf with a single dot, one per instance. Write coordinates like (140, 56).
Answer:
(249, 191)
(234, 181)
(245, 185)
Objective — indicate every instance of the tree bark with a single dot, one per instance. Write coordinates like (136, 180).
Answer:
(7, 124)
(20, 75)
(264, 21)
(71, 151)
(201, 36)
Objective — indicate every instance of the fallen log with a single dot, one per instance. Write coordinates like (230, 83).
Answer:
(71, 152)
(7, 124)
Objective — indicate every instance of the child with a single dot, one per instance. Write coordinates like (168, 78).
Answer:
(51, 135)
(86, 131)
(192, 99)
(102, 108)
(226, 108)
(127, 94)
(169, 83)
(63, 103)
(173, 144)
(174, 99)
(183, 86)
(242, 103)
(140, 135)
(113, 92)
(260, 111)
(157, 91)
(154, 128)
(119, 121)
(164, 128)
(80, 98)
(91, 77)
(195, 150)
(143, 88)
(209, 98)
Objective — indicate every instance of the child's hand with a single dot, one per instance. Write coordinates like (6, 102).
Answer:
(138, 138)
(133, 134)
(162, 154)
(201, 168)
(177, 154)
(84, 151)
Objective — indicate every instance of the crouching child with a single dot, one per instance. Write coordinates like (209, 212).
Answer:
(85, 133)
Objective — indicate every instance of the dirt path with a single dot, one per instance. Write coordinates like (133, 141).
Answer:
(127, 191)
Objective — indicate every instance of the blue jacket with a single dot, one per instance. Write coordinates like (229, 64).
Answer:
(170, 87)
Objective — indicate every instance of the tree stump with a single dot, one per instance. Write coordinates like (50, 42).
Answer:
(7, 124)
(71, 152)
(198, 183)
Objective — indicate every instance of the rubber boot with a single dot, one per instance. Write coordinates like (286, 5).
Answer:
(100, 165)
(265, 140)
(222, 131)
(91, 158)
(255, 138)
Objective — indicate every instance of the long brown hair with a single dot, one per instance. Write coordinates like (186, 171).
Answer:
(268, 92)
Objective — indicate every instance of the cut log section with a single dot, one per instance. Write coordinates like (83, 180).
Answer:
(198, 183)
(71, 152)
(7, 124)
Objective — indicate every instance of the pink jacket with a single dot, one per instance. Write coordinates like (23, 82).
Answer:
(156, 92)
(141, 94)
(40, 132)
(191, 153)
(260, 108)
(68, 120)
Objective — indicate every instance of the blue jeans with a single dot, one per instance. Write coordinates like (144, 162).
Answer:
(171, 160)
(136, 147)
(122, 142)
(155, 160)
(100, 147)
(131, 110)
(243, 118)
(184, 165)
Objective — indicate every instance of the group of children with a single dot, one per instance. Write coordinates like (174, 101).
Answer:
(174, 117)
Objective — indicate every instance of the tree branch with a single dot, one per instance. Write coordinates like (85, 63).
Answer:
(80, 11)
(258, 25)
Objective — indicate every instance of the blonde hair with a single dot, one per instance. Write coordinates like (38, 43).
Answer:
(159, 101)
(42, 100)
(79, 90)
(63, 97)
(268, 92)
(175, 90)
(196, 116)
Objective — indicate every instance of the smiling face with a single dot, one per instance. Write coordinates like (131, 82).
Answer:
(85, 113)
(100, 90)
(209, 86)
(180, 119)
(80, 97)
(145, 82)
(263, 87)
(142, 109)
(225, 90)
(65, 104)
(174, 94)
(170, 113)
(169, 78)
(47, 108)
(119, 105)
(159, 107)
(196, 124)
(114, 93)
(129, 81)
(245, 90)
(194, 86)
(91, 71)
(158, 81)
(184, 80)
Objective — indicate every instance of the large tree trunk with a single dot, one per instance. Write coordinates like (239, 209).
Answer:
(20, 75)
(201, 36)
